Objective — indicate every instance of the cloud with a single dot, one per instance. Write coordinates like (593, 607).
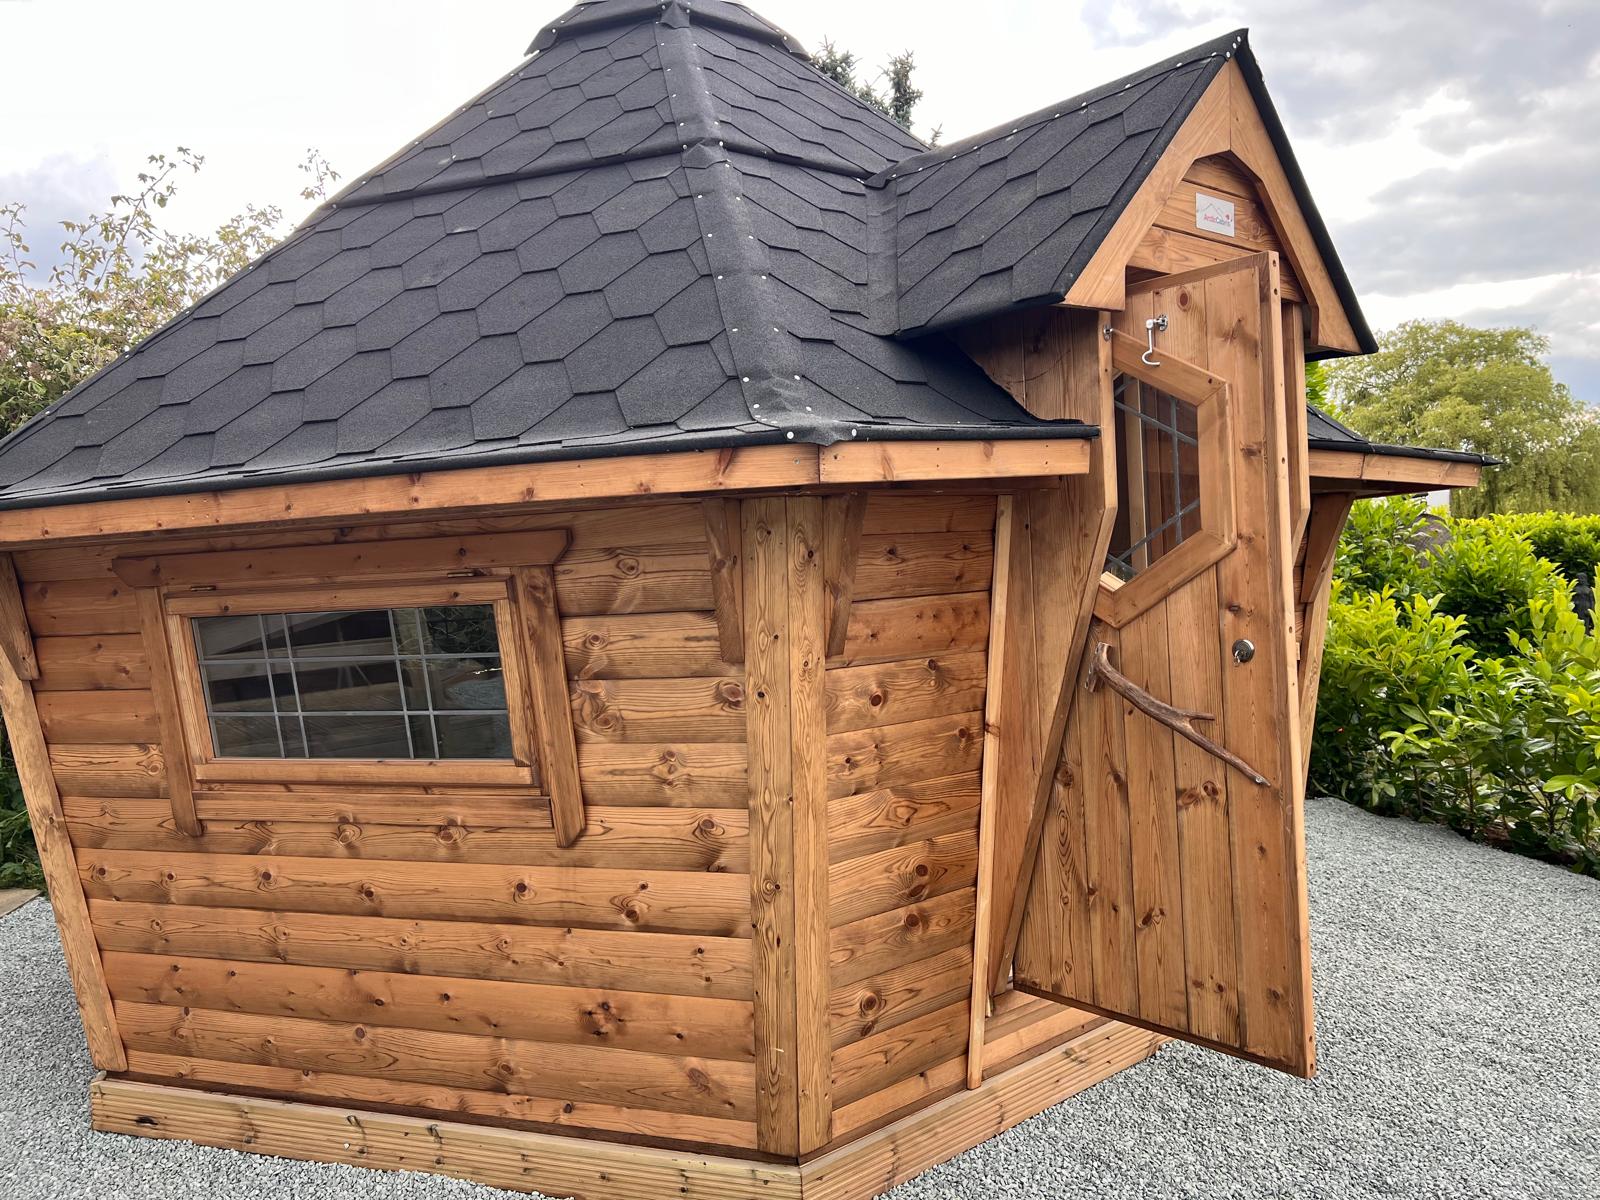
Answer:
(1489, 111)
(1568, 313)
(57, 189)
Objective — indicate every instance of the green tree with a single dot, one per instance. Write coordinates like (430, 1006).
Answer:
(897, 98)
(1444, 384)
(122, 275)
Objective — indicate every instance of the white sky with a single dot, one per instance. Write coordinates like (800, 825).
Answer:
(88, 89)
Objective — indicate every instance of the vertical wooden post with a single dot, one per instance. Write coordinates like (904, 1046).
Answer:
(32, 757)
(1327, 518)
(545, 658)
(999, 722)
(164, 691)
(784, 661)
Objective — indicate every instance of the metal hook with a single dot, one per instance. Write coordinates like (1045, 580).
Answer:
(1150, 327)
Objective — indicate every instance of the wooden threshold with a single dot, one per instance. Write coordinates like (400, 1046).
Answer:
(589, 1169)
(642, 476)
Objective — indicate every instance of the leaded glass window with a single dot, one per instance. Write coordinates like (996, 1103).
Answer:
(379, 683)
(1158, 477)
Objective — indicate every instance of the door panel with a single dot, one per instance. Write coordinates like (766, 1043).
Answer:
(1170, 887)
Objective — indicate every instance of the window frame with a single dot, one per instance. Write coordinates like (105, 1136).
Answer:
(520, 770)
(1121, 600)
(511, 572)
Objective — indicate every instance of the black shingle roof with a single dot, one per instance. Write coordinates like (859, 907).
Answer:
(665, 230)
(1325, 433)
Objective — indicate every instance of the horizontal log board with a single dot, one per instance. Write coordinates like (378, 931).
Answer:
(891, 514)
(80, 606)
(868, 759)
(92, 662)
(677, 775)
(640, 838)
(654, 901)
(897, 816)
(629, 578)
(656, 962)
(98, 717)
(624, 1020)
(401, 805)
(876, 1062)
(645, 646)
(891, 879)
(658, 710)
(915, 627)
(912, 690)
(879, 943)
(337, 563)
(109, 769)
(590, 529)
(580, 1073)
(909, 991)
(923, 564)
(501, 1108)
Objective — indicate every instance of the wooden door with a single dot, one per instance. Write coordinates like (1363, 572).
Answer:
(1170, 886)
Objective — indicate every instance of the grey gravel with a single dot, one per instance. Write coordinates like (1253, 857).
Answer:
(1458, 993)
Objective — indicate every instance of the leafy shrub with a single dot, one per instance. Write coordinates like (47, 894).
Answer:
(1460, 686)
(19, 863)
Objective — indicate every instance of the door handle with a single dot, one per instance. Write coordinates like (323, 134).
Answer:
(1179, 720)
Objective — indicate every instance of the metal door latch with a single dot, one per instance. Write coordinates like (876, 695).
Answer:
(1150, 327)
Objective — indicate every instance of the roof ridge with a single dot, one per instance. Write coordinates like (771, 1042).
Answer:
(598, 14)
(1226, 46)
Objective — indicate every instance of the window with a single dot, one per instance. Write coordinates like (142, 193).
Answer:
(1158, 476)
(374, 670)
(1170, 435)
(392, 683)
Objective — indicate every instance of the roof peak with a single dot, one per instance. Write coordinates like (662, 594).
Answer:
(600, 14)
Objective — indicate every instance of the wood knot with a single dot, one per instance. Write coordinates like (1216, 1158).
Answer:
(630, 567)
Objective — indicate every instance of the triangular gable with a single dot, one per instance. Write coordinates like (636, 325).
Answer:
(1232, 139)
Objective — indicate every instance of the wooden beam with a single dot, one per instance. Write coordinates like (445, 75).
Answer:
(337, 563)
(1387, 474)
(518, 1160)
(593, 1169)
(32, 758)
(164, 693)
(884, 462)
(842, 521)
(1006, 728)
(727, 580)
(494, 490)
(544, 660)
(785, 706)
(16, 641)
(1328, 516)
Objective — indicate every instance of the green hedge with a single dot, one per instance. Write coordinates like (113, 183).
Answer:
(1458, 684)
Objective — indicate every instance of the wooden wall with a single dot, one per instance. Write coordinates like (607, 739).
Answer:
(468, 965)
(439, 956)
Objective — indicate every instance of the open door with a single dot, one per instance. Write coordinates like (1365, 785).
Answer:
(1170, 887)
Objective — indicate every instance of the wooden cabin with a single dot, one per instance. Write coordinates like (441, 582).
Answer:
(673, 641)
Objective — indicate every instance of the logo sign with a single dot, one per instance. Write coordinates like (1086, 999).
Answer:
(1213, 214)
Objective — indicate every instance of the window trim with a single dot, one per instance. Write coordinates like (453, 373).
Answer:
(513, 572)
(207, 766)
(1121, 600)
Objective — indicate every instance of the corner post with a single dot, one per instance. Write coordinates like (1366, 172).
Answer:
(785, 635)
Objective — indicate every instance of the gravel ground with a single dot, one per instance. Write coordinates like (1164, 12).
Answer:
(1458, 993)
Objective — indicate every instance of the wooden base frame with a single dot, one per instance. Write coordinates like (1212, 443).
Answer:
(596, 1170)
